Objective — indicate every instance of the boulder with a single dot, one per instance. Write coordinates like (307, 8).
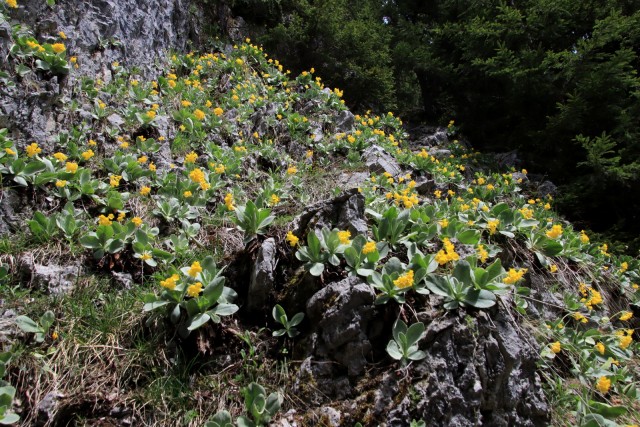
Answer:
(262, 276)
(379, 161)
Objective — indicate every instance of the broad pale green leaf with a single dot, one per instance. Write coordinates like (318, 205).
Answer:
(27, 324)
(197, 321)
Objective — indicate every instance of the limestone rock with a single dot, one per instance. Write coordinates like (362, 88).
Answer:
(379, 161)
(341, 312)
(262, 276)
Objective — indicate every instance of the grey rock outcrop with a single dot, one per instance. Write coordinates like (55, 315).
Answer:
(379, 161)
(341, 313)
(481, 372)
(262, 276)
(52, 278)
(345, 212)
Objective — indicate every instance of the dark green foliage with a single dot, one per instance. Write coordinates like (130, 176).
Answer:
(555, 79)
(345, 41)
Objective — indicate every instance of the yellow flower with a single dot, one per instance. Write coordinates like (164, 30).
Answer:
(200, 115)
(274, 199)
(197, 175)
(195, 269)
(12, 3)
(482, 253)
(603, 385)
(405, 280)
(71, 167)
(228, 202)
(583, 237)
(218, 111)
(625, 341)
(114, 180)
(600, 347)
(92, 143)
(444, 223)
(556, 347)
(579, 317)
(626, 315)
(88, 154)
(368, 248)
(447, 254)
(624, 267)
(137, 221)
(309, 154)
(194, 290)
(103, 220)
(514, 276)
(187, 194)
(10, 152)
(191, 157)
(292, 170)
(151, 114)
(58, 47)
(54, 335)
(553, 268)
(152, 167)
(219, 169)
(142, 160)
(170, 282)
(33, 149)
(526, 213)
(186, 103)
(61, 183)
(145, 256)
(292, 239)
(344, 237)
(144, 191)
(492, 225)
(555, 232)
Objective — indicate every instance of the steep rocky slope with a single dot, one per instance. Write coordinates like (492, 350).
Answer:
(183, 226)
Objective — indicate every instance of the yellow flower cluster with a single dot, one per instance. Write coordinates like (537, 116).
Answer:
(344, 237)
(195, 269)
(583, 237)
(292, 239)
(71, 167)
(555, 232)
(368, 248)
(105, 220)
(579, 317)
(228, 202)
(33, 149)
(625, 338)
(482, 253)
(170, 282)
(137, 221)
(590, 296)
(199, 114)
(88, 154)
(114, 180)
(492, 226)
(526, 213)
(405, 280)
(12, 3)
(194, 290)
(514, 275)
(145, 190)
(448, 253)
(603, 385)
(191, 157)
(556, 347)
